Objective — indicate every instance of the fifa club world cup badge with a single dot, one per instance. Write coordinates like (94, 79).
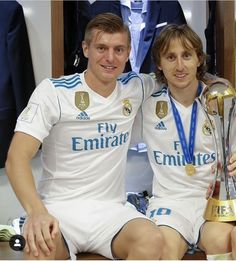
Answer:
(127, 107)
(82, 100)
(161, 109)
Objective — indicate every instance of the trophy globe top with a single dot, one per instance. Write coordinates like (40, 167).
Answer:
(214, 96)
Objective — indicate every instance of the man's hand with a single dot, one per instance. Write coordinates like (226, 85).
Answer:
(209, 190)
(232, 172)
(39, 232)
(232, 165)
(209, 78)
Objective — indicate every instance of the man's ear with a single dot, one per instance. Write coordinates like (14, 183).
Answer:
(200, 60)
(85, 49)
(129, 49)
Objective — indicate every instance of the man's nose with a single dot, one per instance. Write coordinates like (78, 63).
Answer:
(179, 63)
(110, 55)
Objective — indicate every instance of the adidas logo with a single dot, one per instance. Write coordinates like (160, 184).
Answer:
(83, 116)
(160, 126)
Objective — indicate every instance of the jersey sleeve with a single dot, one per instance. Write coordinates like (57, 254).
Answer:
(150, 85)
(136, 134)
(41, 113)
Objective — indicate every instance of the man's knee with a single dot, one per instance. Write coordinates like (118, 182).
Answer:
(174, 249)
(150, 245)
(153, 239)
(139, 239)
(216, 238)
(233, 236)
(219, 244)
(59, 251)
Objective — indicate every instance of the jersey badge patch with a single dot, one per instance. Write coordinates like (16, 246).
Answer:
(206, 128)
(127, 107)
(82, 100)
(29, 112)
(161, 109)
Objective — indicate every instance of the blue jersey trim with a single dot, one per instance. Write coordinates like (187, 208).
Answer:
(159, 93)
(65, 82)
(126, 78)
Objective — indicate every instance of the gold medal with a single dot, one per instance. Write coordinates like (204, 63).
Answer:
(190, 169)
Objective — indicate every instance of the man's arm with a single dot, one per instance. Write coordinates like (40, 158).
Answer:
(41, 227)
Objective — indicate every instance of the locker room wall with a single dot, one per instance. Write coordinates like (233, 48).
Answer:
(38, 20)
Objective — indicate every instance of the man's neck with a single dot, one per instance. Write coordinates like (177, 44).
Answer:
(185, 96)
(104, 89)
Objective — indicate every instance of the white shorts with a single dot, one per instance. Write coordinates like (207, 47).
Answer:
(185, 216)
(90, 225)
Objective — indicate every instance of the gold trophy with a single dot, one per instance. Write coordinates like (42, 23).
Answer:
(218, 101)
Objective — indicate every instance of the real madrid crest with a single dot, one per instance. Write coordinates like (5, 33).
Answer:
(207, 128)
(161, 109)
(127, 107)
(82, 100)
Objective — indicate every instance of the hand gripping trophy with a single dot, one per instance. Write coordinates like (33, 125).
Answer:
(218, 101)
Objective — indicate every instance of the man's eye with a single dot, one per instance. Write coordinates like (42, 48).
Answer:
(170, 57)
(119, 50)
(187, 55)
(100, 48)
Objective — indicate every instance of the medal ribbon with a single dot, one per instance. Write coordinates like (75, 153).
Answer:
(187, 150)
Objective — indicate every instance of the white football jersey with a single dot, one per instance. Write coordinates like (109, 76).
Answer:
(85, 136)
(165, 150)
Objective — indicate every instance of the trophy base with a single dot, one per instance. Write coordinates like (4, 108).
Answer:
(220, 210)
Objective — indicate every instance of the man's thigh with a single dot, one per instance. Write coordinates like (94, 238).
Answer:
(92, 225)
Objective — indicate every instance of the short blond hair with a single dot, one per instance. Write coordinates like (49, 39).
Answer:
(108, 23)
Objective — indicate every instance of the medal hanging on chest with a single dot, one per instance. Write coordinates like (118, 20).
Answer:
(190, 169)
(188, 149)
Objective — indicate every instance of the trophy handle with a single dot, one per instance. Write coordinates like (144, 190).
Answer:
(229, 110)
(231, 180)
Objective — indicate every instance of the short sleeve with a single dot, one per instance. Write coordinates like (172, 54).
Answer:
(41, 113)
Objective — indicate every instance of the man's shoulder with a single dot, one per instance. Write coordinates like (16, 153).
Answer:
(160, 93)
(125, 78)
(67, 81)
(133, 76)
